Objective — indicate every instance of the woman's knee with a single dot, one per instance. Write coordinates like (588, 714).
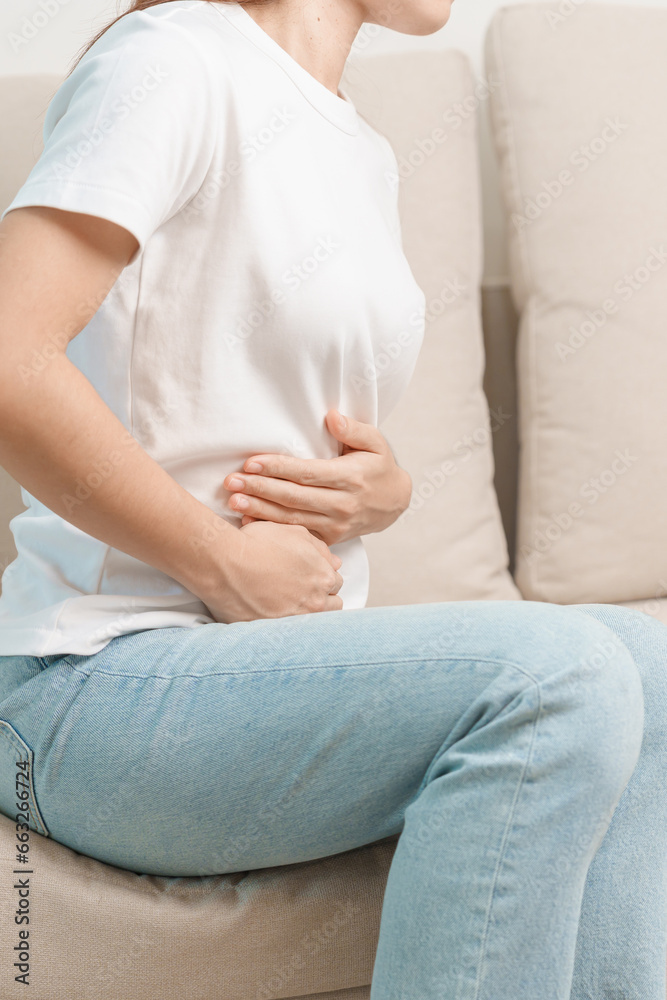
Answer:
(643, 634)
(539, 638)
(587, 677)
(599, 685)
(580, 664)
(646, 639)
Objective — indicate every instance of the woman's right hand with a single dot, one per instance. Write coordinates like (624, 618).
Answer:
(273, 571)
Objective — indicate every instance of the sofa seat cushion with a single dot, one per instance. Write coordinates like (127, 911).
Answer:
(99, 932)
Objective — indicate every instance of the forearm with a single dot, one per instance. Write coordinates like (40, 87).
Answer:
(61, 442)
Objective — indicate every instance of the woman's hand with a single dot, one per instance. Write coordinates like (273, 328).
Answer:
(360, 492)
(273, 571)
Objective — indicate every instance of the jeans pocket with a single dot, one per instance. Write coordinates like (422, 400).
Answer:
(17, 787)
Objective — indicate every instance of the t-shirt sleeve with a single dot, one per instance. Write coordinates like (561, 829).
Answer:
(129, 136)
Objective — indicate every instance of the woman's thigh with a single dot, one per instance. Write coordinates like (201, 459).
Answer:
(229, 747)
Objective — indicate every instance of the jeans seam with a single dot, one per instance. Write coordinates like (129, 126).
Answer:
(324, 666)
(506, 837)
(13, 737)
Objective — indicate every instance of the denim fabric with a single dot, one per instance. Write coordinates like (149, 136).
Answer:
(518, 747)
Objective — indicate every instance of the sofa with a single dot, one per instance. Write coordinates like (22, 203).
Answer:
(534, 429)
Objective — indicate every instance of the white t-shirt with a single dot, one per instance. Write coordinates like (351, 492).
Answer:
(269, 286)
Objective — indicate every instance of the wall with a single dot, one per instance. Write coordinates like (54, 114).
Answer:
(64, 26)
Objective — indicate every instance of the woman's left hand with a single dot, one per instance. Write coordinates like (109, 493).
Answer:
(360, 492)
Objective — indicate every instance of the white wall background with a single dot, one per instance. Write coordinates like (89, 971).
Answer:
(64, 26)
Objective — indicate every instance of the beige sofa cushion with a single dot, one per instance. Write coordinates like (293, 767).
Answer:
(100, 933)
(580, 127)
(450, 544)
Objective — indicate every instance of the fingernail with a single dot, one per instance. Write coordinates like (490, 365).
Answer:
(254, 467)
(241, 503)
(342, 421)
(236, 484)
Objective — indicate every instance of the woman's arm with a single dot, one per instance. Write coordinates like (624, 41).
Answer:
(56, 268)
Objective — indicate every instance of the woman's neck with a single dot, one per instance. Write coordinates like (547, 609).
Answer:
(318, 34)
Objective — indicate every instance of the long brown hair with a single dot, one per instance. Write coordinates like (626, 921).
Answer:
(141, 5)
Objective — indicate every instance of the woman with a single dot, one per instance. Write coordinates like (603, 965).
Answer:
(193, 277)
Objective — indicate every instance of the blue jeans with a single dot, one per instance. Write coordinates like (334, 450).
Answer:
(519, 748)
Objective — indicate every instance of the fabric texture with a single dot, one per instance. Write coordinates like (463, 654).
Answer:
(497, 738)
(101, 928)
(449, 544)
(580, 129)
(269, 272)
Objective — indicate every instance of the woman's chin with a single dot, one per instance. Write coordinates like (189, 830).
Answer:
(426, 18)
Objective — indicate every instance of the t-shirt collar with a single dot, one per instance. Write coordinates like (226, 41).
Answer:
(338, 110)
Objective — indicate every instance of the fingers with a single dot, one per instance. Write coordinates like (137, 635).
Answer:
(272, 489)
(334, 604)
(355, 433)
(318, 524)
(305, 471)
(274, 500)
(333, 559)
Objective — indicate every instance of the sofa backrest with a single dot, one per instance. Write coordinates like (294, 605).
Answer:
(579, 123)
